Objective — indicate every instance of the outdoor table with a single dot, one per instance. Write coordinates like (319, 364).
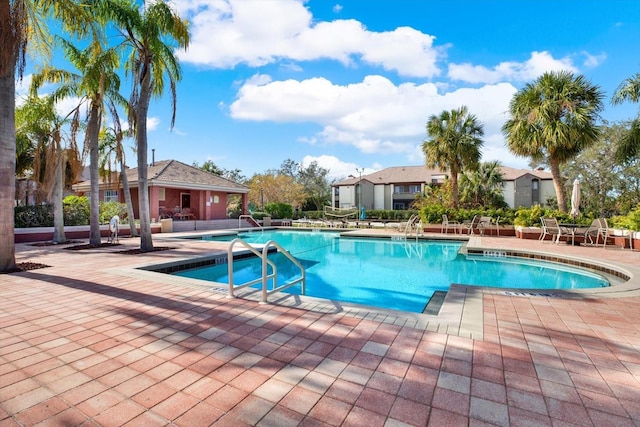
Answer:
(572, 229)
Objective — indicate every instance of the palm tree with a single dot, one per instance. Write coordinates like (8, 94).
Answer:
(456, 140)
(95, 82)
(112, 149)
(21, 22)
(629, 90)
(483, 187)
(151, 34)
(55, 151)
(554, 119)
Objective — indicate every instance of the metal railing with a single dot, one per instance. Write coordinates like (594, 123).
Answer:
(255, 221)
(265, 276)
(415, 222)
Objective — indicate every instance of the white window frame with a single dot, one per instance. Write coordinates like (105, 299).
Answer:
(110, 196)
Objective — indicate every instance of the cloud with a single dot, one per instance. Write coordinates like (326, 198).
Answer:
(337, 8)
(337, 168)
(591, 61)
(152, 123)
(374, 115)
(537, 64)
(258, 32)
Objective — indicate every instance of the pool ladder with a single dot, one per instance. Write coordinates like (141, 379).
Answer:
(415, 222)
(265, 275)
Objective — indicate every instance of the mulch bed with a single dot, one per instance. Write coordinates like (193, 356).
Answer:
(52, 243)
(25, 266)
(90, 246)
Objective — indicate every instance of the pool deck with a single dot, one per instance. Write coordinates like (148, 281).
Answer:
(91, 340)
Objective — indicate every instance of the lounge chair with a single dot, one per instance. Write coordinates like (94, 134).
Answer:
(598, 228)
(550, 227)
(446, 224)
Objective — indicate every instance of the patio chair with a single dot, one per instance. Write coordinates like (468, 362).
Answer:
(471, 227)
(446, 224)
(550, 227)
(598, 228)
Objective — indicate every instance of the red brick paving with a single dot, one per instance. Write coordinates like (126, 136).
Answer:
(84, 346)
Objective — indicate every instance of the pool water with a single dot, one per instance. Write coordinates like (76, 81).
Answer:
(400, 275)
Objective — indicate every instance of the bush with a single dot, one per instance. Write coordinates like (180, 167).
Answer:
(33, 216)
(109, 209)
(76, 210)
(631, 221)
(279, 210)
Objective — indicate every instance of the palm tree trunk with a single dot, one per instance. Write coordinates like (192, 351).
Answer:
(7, 169)
(56, 193)
(454, 185)
(93, 133)
(558, 185)
(146, 240)
(127, 201)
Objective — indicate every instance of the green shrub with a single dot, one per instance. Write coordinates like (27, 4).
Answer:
(279, 210)
(33, 216)
(631, 221)
(76, 210)
(109, 209)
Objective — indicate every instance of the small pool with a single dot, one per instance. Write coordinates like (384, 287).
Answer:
(400, 275)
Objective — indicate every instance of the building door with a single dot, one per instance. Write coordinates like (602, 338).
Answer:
(535, 192)
(185, 200)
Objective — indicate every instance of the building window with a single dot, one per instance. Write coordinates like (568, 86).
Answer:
(406, 189)
(111, 195)
(161, 195)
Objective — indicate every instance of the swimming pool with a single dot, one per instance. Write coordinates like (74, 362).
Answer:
(400, 275)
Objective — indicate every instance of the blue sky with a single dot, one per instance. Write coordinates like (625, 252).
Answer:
(351, 83)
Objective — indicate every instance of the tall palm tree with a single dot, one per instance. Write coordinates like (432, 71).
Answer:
(150, 34)
(95, 82)
(23, 22)
(112, 150)
(454, 144)
(629, 90)
(554, 118)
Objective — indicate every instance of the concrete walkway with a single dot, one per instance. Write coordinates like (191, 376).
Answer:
(87, 342)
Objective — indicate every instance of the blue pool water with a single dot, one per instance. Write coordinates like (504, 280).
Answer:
(400, 275)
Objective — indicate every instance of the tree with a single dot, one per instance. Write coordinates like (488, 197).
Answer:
(111, 149)
(454, 144)
(314, 179)
(22, 22)
(151, 34)
(210, 167)
(629, 146)
(608, 185)
(95, 82)
(55, 150)
(234, 175)
(554, 118)
(484, 186)
(275, 188)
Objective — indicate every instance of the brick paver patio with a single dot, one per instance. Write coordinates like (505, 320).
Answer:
(83, 345)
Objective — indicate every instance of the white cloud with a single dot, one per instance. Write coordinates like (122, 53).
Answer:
(535, 66)
(337, 168)
(337, 8)
(591, 61)
(375, 115)
(152, 123)
(226, 33)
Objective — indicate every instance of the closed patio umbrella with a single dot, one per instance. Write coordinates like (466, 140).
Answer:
(575, 199)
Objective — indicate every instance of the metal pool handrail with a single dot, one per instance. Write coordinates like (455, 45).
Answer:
(241, 217)
(264, 276)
